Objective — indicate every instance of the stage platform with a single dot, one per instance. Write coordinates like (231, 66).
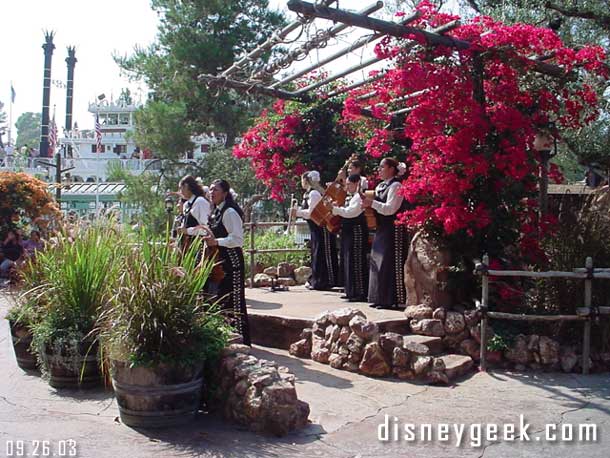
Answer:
(277, 318)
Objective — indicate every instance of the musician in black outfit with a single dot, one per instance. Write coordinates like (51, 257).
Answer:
(226, 224)
(196, 209)
(391, 244)
(354, 242)
(323, 244)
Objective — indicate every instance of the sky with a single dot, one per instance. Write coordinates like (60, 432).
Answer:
(98, 29)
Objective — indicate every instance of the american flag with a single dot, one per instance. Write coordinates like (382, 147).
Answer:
(98, 133)
(52, 137)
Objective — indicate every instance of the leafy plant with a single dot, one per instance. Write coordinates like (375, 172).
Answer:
(273, 240)
(497, 343)
(158, 313)
(28, 309)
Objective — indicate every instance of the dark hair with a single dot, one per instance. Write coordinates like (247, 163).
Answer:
(229, 201)
(34, 232)
(392, 163)
(192, 184)
(354, 178)
(356, 163)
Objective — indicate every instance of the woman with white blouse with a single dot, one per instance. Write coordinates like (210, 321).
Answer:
(354, 242)
(391, 244)
(323, 244)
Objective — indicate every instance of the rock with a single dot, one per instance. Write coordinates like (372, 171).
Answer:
(332, 333)
(439, 314)
(336, 361)
(318, 330)
(454, 323)
(286, 281)
(549, 350)
(389, 341)
(301, 348)
(285, 269)
(343, 350)
(518, 352)
(302, 274)
(418, 312)
(322, 319)
(471, 348)
(305, 333)
(344, 334)
(241, 387)
(454, 340)
(321, 355)
(363, 328)
(235, 349)
(373, 361)
(351, 366)
(456, 365)
(343, 316)
(437, 377)
(400, 357)
(355, 357)
(404, 373)
(420, 364)
(262, 280)
(334, 348)
(354, 343)
(438, 364)
(428, 327)
(271, 271)
(533, 342)
(472, 317)
(475, 332)
(423, 345)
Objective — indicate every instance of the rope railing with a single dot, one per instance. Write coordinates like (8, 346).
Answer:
(584, 314)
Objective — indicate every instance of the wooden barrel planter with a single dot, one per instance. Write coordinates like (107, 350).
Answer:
(22, 339)
(157, 397)
(69, 369)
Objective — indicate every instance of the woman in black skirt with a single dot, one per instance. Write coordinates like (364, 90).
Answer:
(226, 224)
(391, 244)
(354, 243)
(323, 244)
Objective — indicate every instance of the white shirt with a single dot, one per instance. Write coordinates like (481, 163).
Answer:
(364, 184)
(353, 208)
(234, 226)
(393, 202)
(200, 210)
(314, 198)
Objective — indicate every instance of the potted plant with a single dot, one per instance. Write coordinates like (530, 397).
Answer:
(158, 332)
(495, 347)
(26, 312)
(79, 271)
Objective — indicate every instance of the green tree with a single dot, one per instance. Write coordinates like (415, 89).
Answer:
(198, 37)
(125, 97)
(28, 129)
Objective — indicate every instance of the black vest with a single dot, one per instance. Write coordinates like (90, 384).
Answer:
(350, 222)
(190, 220)
(381, 195)
(218, 228)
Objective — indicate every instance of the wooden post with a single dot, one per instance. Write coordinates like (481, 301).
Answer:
(58, 178)
(252, 254)
(586, 344)
(483, 309)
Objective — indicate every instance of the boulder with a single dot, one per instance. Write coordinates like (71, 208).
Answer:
(437, 377)
(389, 341)
(471, 348)
(423, 345)
(472, 317)
(301, 348)
(456, 365)
(302, 274)
(418, 312)
(344, 334)
(351, 366)
(428, 327)
(286, 281)
(336, 361)
(400, 357)
(475, 332)
(321, 355)
(533, 342)
(305, 333)
(549, 350)
(354, 343)
(285, 269)
(454, 340)
(364, 329)
(439, 314)
(373, 361)
(262, 280)
(454, 323)
(322, 319)
(518, 352)
(271, 271)
(421, 364)
(343, 316)
(404, 373)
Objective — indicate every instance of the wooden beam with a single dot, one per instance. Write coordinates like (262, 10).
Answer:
(222, 82)
(317, 41)
(359, 43)
(378, 25)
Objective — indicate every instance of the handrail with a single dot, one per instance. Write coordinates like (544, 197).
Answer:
(588, 274)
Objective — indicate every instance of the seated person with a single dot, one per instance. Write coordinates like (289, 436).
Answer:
(12, 252)
(33, 244)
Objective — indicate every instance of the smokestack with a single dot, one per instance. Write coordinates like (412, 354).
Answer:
(71, 61)
(48, 47)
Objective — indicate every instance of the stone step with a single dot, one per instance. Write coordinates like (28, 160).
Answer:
(456, 365)
(418, 344)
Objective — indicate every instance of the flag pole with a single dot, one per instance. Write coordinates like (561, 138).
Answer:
(10, 114)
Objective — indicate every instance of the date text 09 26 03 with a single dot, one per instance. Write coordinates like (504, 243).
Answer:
(42, 448)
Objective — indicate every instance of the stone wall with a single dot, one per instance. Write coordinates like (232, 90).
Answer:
(345, 339)
(257, 393)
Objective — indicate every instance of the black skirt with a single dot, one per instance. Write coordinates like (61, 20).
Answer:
(388, 256)
(354, 251)
(231, 291)
(324, 261)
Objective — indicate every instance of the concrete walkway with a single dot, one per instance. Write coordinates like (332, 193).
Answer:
(346, 411)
